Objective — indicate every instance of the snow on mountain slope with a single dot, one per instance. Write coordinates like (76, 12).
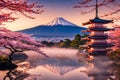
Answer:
(60, 21)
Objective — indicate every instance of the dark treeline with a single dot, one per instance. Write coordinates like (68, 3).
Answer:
(67, 43)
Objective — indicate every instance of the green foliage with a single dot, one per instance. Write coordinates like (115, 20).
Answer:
(78, 37)
(77, 41)
(65, 43)
(3, 59)
(74, 43)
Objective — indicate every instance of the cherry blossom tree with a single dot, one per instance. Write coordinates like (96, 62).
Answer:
(115, 38)
(114, 54)
(17, 42)
(14, 40)
(8, 7)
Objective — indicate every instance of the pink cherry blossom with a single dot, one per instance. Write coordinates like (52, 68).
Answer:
(115, 37)
(18, 42)
(22, 6)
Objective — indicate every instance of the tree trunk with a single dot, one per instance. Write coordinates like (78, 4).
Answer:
(10, 57)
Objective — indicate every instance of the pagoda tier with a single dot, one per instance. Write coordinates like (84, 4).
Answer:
(101, 45)
(97, 38)
(98, 20)
(98, 53)
(99, 29)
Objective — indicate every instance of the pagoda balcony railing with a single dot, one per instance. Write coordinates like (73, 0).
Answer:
(98, 35)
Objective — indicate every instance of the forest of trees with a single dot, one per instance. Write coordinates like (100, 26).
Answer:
(67, 43)
(75, 43)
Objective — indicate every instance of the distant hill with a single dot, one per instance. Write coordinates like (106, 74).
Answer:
(57, 29)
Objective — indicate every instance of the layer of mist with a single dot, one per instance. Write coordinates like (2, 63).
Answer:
(64, 64)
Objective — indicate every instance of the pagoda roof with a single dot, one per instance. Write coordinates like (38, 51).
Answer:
(98, 37)
(98, 20)
(98, 53)
(99, 29)
(101, 45)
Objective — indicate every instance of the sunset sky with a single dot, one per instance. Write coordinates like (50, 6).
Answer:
(52, 9)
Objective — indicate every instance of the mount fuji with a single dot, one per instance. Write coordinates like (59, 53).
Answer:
(57, 29)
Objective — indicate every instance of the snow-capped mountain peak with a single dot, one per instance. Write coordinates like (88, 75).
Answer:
(60, 21)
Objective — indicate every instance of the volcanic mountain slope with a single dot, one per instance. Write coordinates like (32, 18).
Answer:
(57, 28)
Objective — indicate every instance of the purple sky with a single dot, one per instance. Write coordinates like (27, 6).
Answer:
(53, 9)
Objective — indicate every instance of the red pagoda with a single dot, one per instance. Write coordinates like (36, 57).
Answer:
(97, 44)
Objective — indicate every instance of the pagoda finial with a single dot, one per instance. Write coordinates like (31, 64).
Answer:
(96, 8)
